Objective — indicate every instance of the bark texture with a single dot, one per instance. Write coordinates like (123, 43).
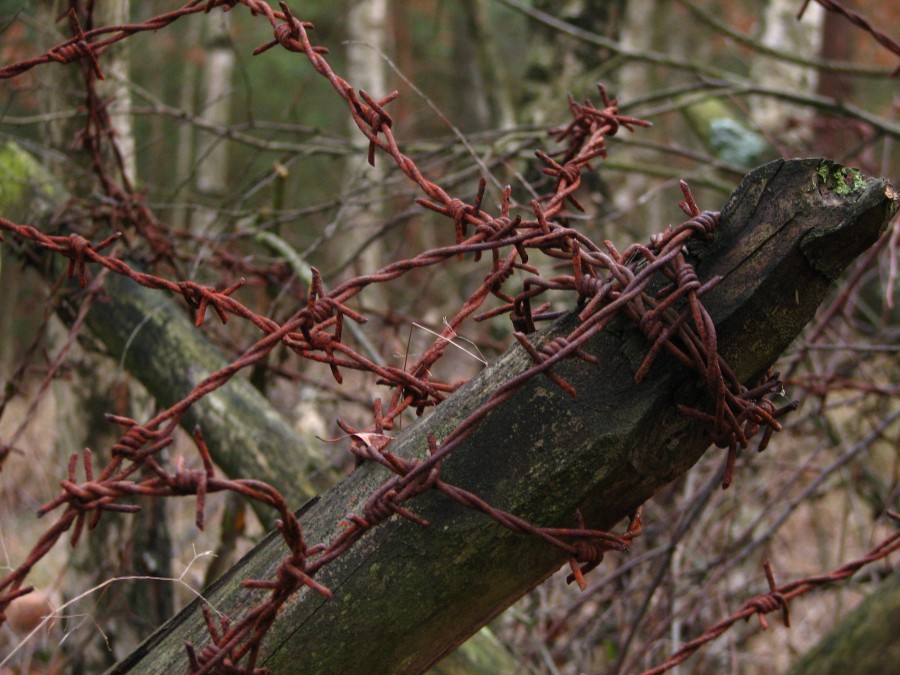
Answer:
(406, 595)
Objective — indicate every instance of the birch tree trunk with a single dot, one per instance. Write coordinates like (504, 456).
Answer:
(560, 65)
(218, 71)
(116, 67)
(643, 23)
(494, 95)
(780, 30)
(367, 31)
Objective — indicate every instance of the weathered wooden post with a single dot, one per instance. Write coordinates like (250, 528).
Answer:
(406, 595)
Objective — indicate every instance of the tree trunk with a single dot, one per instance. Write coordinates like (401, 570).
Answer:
(367, 32)
(117, 65)
(559, 65)
(781, 30)
(645, 25)
(494, 96)
(406, 595)
(212, 171)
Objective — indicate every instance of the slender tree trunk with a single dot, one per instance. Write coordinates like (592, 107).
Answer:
(644, 22)
(781, 30)
(494, 95)
(218, 69)
(367, 31)
(833, 135)
(116, 66)
(559, 65)
(185, 154)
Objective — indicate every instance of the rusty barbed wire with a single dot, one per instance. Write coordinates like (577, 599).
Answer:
(859, 20)
(778, 597)
(605, 283)
(85, 46)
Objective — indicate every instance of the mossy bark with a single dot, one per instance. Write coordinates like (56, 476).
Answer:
(406, 595)
(157, 343)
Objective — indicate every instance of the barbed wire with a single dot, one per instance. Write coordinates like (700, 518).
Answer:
(858, 20)
(778, 597)
(604, 284)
